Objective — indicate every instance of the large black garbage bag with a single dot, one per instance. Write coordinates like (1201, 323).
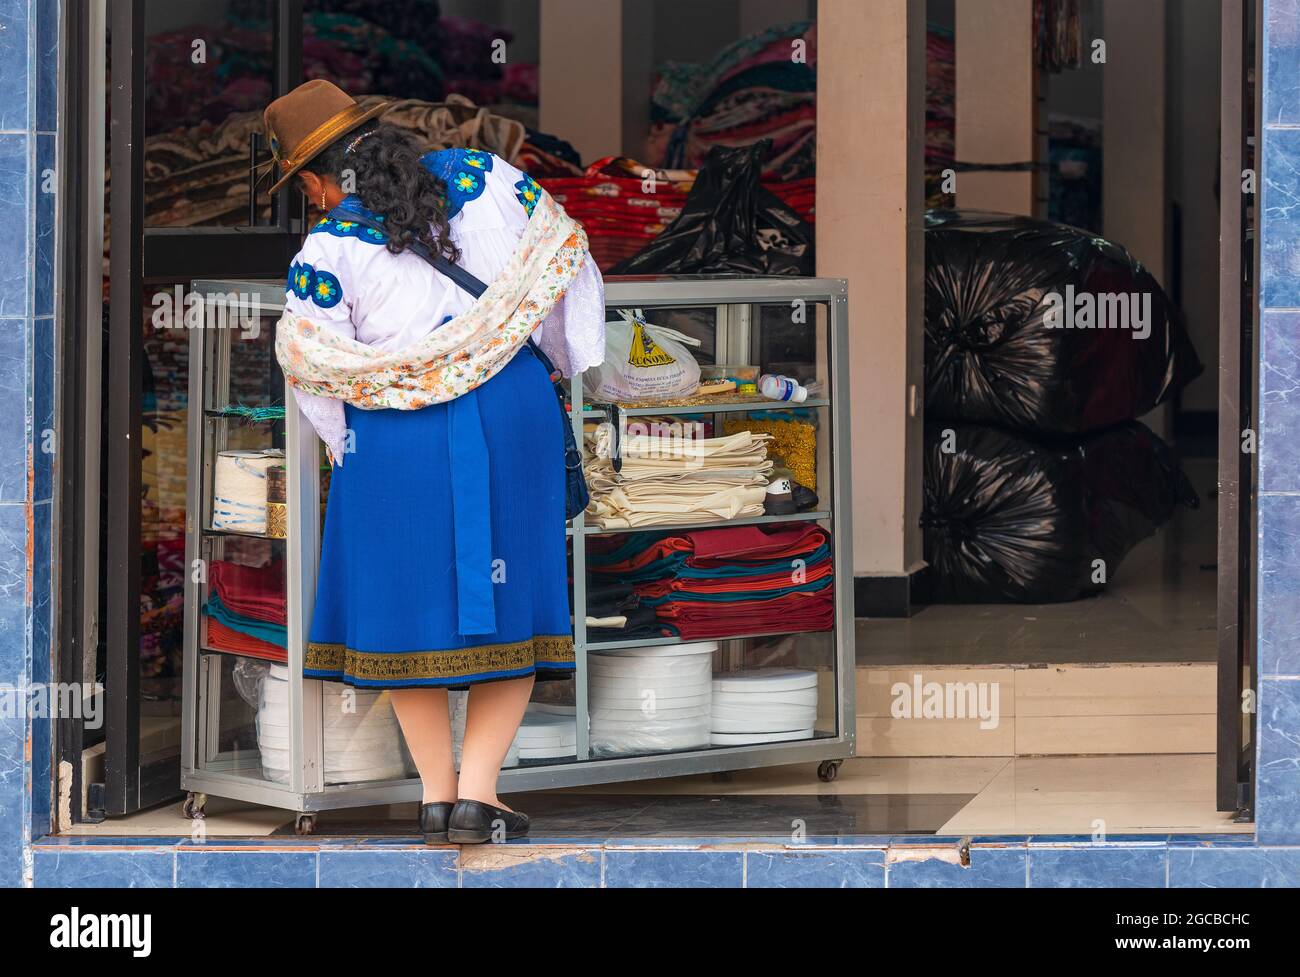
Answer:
(990, 356)
(1008, 518)
(730, 224)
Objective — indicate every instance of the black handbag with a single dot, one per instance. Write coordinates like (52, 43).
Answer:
(576, 495)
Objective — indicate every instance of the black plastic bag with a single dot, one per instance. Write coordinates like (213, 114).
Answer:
(1007, 518)
(730, 224)
(990, 355)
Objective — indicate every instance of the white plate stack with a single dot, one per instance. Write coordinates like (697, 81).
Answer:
(362, 738)
(650, 700)
(548, 732)
(764, 705)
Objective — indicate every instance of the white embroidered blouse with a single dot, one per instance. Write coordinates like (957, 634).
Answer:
(345, 278)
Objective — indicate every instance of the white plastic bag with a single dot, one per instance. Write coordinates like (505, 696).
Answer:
(645, 362)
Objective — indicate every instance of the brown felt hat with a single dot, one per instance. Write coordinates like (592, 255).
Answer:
(306, 121)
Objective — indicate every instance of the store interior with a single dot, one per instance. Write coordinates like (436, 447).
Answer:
(1065, 501)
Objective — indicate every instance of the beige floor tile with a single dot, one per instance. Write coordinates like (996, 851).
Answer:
(1069, 795)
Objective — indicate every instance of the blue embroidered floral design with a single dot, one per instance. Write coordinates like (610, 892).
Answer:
(325, 289)
(463, 171)
(301, 276)
(346, 228)
(307, 282)
(528, 192)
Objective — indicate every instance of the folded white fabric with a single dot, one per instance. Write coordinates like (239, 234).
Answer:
(668, 479)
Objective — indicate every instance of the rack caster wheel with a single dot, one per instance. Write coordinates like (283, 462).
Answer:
(192, 806)
(305, 824)
(828, 770)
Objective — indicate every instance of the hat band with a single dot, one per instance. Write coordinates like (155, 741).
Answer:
(320, 137)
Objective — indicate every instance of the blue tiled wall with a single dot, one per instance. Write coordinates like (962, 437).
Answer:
(28, 121)
(1278, 807)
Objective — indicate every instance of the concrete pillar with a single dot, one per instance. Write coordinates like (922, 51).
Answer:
(870, 206)
(1133, 126)
(997, 105)
(594, 74)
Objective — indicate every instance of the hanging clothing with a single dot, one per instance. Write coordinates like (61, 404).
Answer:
(443, 555)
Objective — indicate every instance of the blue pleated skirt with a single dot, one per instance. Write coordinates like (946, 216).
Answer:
(391, 609)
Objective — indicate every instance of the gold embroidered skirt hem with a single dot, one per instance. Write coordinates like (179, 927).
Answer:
(453, 668)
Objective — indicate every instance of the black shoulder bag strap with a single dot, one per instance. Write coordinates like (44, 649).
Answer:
(575, 491)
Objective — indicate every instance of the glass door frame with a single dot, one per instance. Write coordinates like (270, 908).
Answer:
(142, 255)
(1242, 27)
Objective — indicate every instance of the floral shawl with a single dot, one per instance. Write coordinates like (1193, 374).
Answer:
(459, 355)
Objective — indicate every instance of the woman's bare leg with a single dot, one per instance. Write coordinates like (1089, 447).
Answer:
(493, 714)
(426, 724)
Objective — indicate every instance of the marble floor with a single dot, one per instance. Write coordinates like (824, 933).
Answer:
(1159, 607)
(948, 796)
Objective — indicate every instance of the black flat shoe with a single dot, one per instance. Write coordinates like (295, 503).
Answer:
(473, 822)
(433, 822)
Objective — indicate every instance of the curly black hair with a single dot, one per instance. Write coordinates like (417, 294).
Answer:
(381, 165)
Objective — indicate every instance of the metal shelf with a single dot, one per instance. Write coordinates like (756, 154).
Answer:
(205, 769)
(655, 642)
(813, 515)
(731, 407)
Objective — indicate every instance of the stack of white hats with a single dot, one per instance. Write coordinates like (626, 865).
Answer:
(362, 738)
(548, 732)
(650, 700)
(764, 705)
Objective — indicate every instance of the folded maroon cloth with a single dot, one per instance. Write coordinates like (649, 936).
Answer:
(718, 547)
(793, 612)
(256, 592)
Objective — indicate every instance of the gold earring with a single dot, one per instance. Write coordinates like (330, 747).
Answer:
(322, 198)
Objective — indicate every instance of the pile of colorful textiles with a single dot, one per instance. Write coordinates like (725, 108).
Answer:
(615, 612)
(711, 583)
(466, 52)
(1058, 34)
(764, 85)
(246, 610)
(940, 111)
(670, 480)
(622, 209)
(544, 156)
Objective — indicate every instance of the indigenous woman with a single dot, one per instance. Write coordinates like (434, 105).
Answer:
(443, 556)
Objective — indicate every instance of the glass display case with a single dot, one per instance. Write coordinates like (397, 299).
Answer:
(711, 576)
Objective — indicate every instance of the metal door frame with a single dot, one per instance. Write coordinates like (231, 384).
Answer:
(140, 255)
(1238, 407)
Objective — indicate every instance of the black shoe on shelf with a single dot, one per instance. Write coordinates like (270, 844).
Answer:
(433, 822)
(778, 501)
(473, 822)
(804, 498)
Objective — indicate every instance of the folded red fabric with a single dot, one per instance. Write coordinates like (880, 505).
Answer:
(718, 547)
(256, 592)
(794, 612)
(222, 638)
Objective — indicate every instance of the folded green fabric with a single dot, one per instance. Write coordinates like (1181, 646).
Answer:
(276, 634)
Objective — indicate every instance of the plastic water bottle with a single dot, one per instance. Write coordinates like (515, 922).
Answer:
(776, 387)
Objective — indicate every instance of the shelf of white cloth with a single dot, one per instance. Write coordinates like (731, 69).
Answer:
(728, 408)
(647, 642)
(810, 516)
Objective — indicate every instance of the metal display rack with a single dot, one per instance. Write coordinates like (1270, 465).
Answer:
(738, 308)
